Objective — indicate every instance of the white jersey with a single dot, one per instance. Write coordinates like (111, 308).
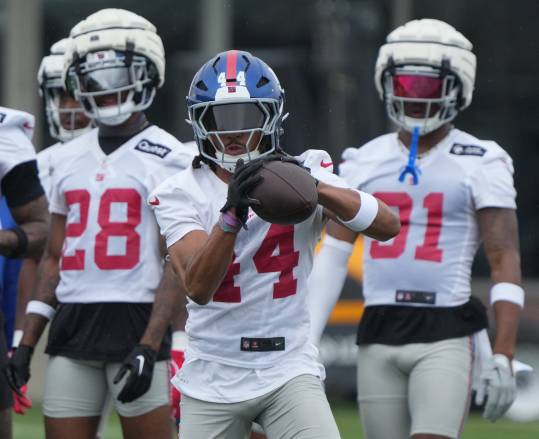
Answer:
(111, 251)
(45, 166)
(16, 130)
(263, 294)
(439, 237)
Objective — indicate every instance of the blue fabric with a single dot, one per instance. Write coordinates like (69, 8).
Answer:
(9, 275)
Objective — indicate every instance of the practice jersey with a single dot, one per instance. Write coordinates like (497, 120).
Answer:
(16, 130)
(429, 262)
(258, 315)
(45, 166)
(111, 250)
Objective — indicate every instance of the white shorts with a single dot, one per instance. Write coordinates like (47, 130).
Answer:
(79, 388)
(414, 388)
(299, 409)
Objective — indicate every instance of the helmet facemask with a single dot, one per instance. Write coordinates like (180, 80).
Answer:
(112, 85)
(65, 122)
(421, 96)
(234, 129)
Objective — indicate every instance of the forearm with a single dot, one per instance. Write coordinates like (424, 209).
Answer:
(36, 232)
(507, 316)
(47, 280)
(25, 285)
(499, 231)
(8, 242)
(33, 219)
(343, 205)
(168, 300)
(208, 266)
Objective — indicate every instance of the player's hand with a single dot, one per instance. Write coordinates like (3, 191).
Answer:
(176, 361)
(281, 157)
(498, 385)
(139, 367)
(21, 401)
(240, 184)
(17, 369)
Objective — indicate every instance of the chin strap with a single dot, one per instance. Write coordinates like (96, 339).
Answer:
(411, 168)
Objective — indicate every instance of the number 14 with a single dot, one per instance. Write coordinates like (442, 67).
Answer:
(429, 250)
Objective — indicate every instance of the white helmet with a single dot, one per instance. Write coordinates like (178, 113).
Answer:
(51, 86)
(114, 53)
(442, 59)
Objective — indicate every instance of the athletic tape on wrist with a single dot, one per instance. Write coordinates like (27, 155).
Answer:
(365, 215)
(179, 341)
(17, 336)
(229, 222)
(41, 308)
(508, 292)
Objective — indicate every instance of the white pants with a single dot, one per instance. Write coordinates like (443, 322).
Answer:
(79, 388)
(414, 388)
(299, 409)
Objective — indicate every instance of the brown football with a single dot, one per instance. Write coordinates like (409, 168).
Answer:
(287, 193)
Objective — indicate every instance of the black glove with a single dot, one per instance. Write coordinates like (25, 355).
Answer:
(17, 369)
(282, 157)
(240, 184)
(139, 363)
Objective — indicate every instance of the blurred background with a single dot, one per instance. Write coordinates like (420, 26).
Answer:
(324, 51)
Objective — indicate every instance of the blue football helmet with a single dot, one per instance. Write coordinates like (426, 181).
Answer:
(235, 94)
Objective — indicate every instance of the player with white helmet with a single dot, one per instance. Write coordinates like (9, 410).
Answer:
(104, 282)
(453, 191)
(248, 358)
(65, 117)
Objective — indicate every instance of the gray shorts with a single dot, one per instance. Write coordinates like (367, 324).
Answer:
(79, 388)
(299, 409)
(414, 388)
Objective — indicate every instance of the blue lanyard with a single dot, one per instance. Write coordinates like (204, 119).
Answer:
(411, 168)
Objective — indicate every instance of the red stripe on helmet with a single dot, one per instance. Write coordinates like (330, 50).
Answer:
(231, 61)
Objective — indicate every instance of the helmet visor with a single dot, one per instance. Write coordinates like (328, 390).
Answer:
(106, 79)
(417, 86)
(233, 117)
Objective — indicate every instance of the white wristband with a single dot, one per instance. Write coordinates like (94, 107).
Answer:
(508, 292)
(41, 308)
(17, 336)
(179, 341)
(365, 215)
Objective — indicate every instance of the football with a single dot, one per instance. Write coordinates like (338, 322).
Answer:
(287, 193)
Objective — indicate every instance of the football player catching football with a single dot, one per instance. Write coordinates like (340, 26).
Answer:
(248, 357)
(104, 264)
(422, 340)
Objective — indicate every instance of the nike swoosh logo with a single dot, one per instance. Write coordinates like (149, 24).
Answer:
(155, 201)
(325, 165)
(140, 358)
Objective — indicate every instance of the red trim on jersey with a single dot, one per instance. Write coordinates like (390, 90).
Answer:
(231, 61)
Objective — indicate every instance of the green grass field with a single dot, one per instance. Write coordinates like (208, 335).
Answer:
(30, 426)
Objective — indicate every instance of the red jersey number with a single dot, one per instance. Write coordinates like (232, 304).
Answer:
(123, 229)
(281, 238)
(429, 250)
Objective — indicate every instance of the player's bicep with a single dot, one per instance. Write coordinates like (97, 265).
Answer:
(32, 211)
(499, 232)
(183, 250)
